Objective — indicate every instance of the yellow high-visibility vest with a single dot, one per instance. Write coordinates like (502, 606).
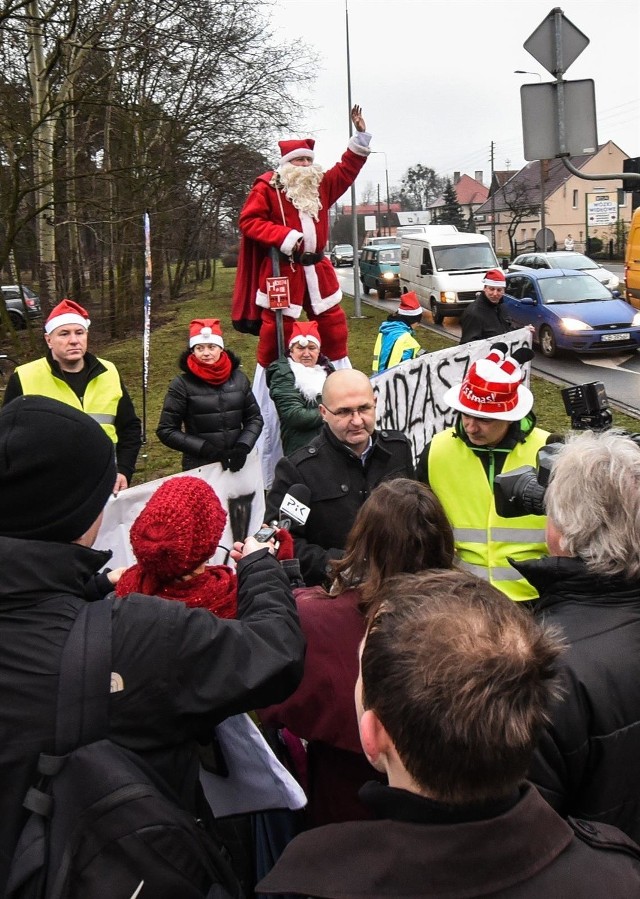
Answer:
(404, 342)
(101, 397)
(483, 538)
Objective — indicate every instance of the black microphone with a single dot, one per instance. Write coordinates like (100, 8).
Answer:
(295, 506)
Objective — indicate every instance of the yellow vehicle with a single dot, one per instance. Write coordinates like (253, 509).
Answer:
(632, 262)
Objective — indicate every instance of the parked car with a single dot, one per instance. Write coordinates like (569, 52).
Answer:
(380, 270)
(20, 307)
(341, 254)
(570, 310)
(564, 260)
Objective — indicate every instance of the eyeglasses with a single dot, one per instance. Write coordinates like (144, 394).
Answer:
(362, 411)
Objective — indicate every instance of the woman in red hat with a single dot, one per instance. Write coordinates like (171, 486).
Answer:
(210, 413)
(295, 386)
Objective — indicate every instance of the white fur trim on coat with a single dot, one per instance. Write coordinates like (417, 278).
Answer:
(359, 143)
(262, 300)
(290, 241)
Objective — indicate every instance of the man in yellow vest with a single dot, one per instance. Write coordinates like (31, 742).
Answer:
(395, 342)
(494, 432)
(72, 375)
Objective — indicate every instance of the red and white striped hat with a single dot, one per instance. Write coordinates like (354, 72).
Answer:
(66, 313)
(493, 387)
(294, 149)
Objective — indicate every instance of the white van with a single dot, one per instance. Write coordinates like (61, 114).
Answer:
(403, 230)
(445, 268)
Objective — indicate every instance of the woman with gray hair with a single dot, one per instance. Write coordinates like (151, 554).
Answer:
(587, 764)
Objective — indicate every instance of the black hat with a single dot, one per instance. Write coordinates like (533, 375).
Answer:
(57, 470)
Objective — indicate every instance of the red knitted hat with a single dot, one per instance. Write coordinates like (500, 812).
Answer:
(495, 278)
(294, 149)
(66, 313)
(409, 304)
(305, 333)
(205, 330)
(178, 529)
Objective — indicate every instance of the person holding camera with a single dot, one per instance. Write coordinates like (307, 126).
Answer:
(586, 763)
(494, 432)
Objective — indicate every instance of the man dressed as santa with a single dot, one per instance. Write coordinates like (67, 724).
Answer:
(289, 209)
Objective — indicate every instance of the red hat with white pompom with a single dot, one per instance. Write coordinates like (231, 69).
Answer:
(495, 278)
(304, 333)
(67, 313)
(409, 304)
(493, 386)
(205, 330)
(295, 149)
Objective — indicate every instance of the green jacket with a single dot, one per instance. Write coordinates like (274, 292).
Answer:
(300, 419)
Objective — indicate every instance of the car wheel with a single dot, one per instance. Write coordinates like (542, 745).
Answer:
(548, 345)
(366, 289)
(17, 320)
(381, 293)
(438, 317)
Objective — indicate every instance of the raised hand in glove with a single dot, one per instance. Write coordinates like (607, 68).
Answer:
(237, 457)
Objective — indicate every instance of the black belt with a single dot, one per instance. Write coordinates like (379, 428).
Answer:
(308, 258)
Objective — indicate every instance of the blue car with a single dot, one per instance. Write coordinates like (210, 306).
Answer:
(570, 310)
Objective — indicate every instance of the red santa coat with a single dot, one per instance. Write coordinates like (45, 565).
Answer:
(261, 223)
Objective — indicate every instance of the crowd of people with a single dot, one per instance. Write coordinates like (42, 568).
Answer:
(455, 689)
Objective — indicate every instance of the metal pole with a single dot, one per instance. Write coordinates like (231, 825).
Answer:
(275, 271)
(357, 304)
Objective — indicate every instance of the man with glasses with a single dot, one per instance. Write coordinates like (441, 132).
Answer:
(340, 468)
(494, 432)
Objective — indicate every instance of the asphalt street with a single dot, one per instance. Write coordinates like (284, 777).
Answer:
(619, 372)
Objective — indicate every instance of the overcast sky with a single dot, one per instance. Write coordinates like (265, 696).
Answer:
(435, 77)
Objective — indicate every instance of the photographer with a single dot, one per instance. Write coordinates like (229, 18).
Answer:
(586, 764)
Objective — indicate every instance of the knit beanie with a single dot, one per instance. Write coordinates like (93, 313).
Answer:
(178, 529)
(57, 470)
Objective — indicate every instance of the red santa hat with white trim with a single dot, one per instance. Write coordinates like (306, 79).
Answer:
(205, 330)
(493, 386)
(304, 333)
(295, 149)
(495, 278)
(409, 304)
(66, 313)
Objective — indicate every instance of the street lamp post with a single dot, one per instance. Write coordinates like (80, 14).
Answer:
(386, 175)
(543, 222)
(357, 303)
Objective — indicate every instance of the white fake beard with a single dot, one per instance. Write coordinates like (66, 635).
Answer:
(301, 184)
(309, 381)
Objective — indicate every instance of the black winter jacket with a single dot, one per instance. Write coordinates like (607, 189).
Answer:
(483, 319)
(204, 421)
(588, 761)
(339, 484)
(183, 670)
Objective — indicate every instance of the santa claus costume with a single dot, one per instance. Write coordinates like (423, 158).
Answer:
(294, 219)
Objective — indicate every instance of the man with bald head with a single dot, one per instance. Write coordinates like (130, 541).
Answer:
(340, 467)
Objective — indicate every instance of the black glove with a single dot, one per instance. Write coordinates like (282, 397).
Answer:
(237, 457)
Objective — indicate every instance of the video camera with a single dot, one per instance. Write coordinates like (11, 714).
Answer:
(522, 491)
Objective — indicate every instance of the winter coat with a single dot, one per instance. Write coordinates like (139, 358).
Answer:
(586, 764)
(483, 319)
(523, 852)
(205, 421)
(395, 343)
(299, 415)
(322, 710)
(182, 670)
(128, 429)
(339, 483)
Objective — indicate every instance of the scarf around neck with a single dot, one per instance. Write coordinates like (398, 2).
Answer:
(212, 374)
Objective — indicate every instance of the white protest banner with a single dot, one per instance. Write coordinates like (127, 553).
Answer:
(241, 493)
(409, 395)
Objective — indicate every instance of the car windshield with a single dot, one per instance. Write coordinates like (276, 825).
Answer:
(577, 289)
(464, 258)
(344, 248)
(574, 261)
(389, 255)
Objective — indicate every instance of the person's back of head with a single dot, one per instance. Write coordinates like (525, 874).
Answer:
(460, 679)
(57, 470)
(400, 528)
(177, 531)
(593, 500)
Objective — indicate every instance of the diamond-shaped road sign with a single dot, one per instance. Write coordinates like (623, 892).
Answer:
(542, 43)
